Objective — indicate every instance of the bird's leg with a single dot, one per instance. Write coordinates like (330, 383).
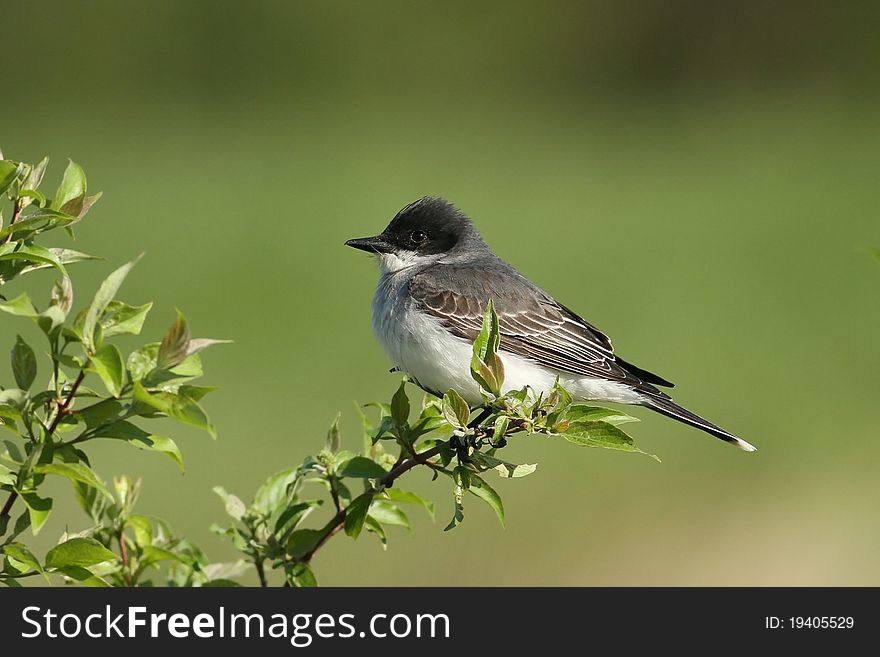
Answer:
(477, 421)
(465, 445)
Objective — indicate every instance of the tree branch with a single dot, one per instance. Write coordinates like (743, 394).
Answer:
(62, 411)
(338, 521)
(9, 502)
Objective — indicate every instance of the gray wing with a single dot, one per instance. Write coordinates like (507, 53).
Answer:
(531, 323)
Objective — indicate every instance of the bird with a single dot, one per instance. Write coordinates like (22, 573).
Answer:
(436, 277)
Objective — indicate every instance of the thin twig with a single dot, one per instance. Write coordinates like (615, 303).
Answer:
(16, 214)
(123, 552)
(9, 502)
(402, 466)
(334, 493)
(261, 572)
(65, 405)
(477, 421)
(62, 411)
(338, 521)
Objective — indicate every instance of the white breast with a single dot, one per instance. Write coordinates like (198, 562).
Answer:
(420, 346)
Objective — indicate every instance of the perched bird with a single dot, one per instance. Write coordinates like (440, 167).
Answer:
(436, 277)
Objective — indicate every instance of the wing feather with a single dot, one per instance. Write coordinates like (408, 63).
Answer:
(532, 325)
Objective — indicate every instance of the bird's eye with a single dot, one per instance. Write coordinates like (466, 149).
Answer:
(418, 236)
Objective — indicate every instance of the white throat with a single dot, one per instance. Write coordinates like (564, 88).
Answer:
(390, 263)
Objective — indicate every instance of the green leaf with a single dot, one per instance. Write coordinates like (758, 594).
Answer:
(223, 571)
(486, 366)
(505, 469)
(334, 440)
(600, 434)
(24, 364)
(28, 196)
(152, 554)
(362, 467)
(400, 407)
(82, 575)
(89, 500)
(100, 413)
(61, 301)
(172, 350)
(8, 173)
(178, 406)
(107, 363)
(81, 552)
(499, 429)
(142, 528)
(75, 472)
(197, 344)
(37, 254)
(124, 430)
(457, 516)
(127, 491)
(235, 508)
(38, 510)
(61, 256)
(120, 318)
(388, 513)
(273, 492)
(142, 366)
(12, 452)
(178, 345)
(486, 493)
(21, 523)
(397, 495)
(13, 397)
(20, 305)
(73, 186)
(196, 393)
(373, 526)
(430, 420)
(301, 575)
(38, 222)
(585, 413)
(488, 339)
(35, 175)
(291, 517)
(87, 204)
(103, 297)
(356, 513)
(559, 396)
(303, 541)
(141, 361)
(21, 554)
(50, 319)
(456, 409)
(461, 479)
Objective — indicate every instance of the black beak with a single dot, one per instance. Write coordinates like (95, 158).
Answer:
(375, 244)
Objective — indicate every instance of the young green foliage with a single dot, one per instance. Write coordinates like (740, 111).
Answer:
(448, 436)
(85, 390)
(89, 389)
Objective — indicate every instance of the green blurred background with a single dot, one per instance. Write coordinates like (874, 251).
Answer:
(700, 180)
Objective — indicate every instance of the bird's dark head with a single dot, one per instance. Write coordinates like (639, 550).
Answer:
(427, 227)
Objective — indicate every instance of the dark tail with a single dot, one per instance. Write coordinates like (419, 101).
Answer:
(644, 375)
(669, 408)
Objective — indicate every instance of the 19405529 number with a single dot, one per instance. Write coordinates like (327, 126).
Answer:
(821, 622)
